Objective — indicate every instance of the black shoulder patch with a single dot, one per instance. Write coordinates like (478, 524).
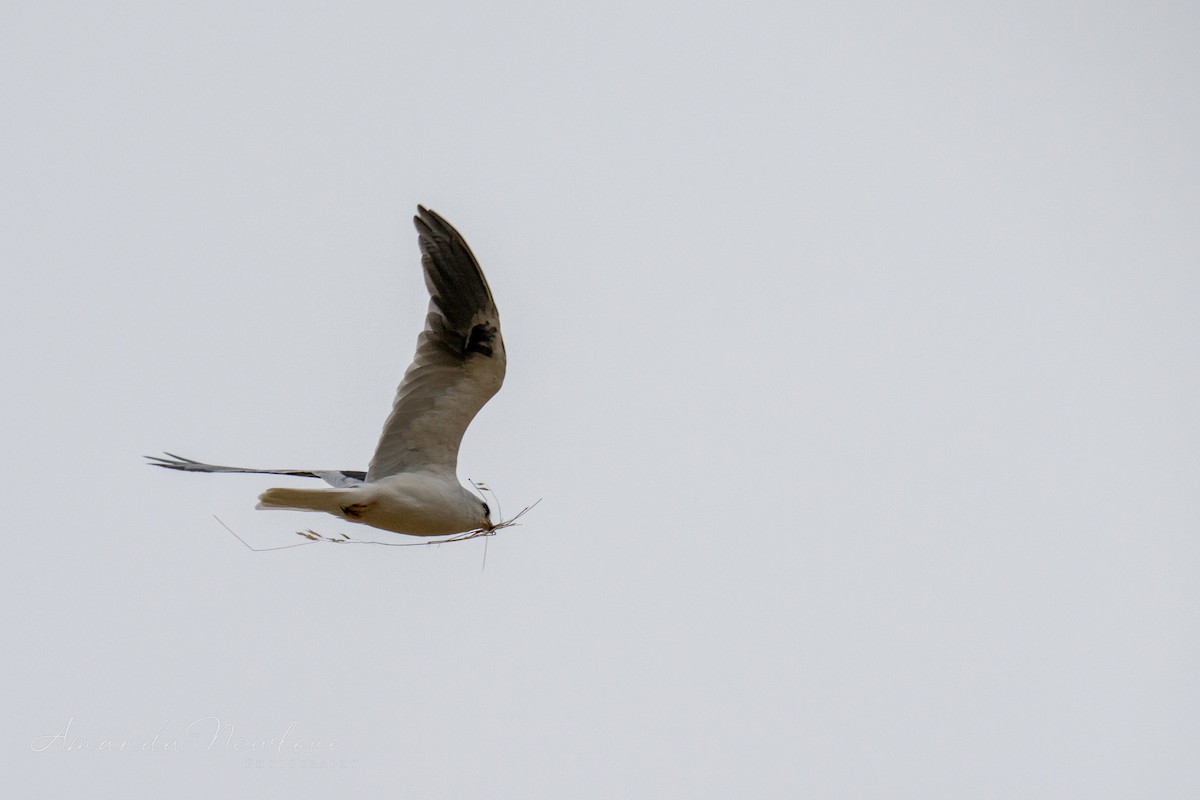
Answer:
(481, 340)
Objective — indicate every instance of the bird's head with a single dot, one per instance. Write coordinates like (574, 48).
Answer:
(486, 527)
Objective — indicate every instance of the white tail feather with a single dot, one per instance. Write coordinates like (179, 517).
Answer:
(327, 500)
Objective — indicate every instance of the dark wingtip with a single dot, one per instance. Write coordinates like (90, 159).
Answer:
(432, 219)
(421, 221)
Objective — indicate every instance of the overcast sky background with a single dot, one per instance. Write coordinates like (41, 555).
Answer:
(852, 347)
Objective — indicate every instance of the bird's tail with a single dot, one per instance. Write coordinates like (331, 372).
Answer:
(330, 501)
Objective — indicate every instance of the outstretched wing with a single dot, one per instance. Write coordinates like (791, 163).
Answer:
(340, 478)
(459, 364)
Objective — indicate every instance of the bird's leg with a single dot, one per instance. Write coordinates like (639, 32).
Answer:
(355, 510)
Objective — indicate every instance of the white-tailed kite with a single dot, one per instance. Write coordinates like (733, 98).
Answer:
(411, 485)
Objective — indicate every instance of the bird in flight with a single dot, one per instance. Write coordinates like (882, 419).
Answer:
(411, 485)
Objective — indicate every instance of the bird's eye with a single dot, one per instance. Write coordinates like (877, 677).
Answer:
(487, 512)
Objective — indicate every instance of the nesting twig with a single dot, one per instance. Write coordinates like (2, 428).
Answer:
(315, 537)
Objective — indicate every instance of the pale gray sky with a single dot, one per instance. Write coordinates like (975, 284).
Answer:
(852, 347)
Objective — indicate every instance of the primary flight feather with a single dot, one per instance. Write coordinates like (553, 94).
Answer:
(411, 485)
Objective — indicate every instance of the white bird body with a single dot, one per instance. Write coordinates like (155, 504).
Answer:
(415, 503)
(411, 485)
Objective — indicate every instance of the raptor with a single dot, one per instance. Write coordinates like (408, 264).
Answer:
(411, 485)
